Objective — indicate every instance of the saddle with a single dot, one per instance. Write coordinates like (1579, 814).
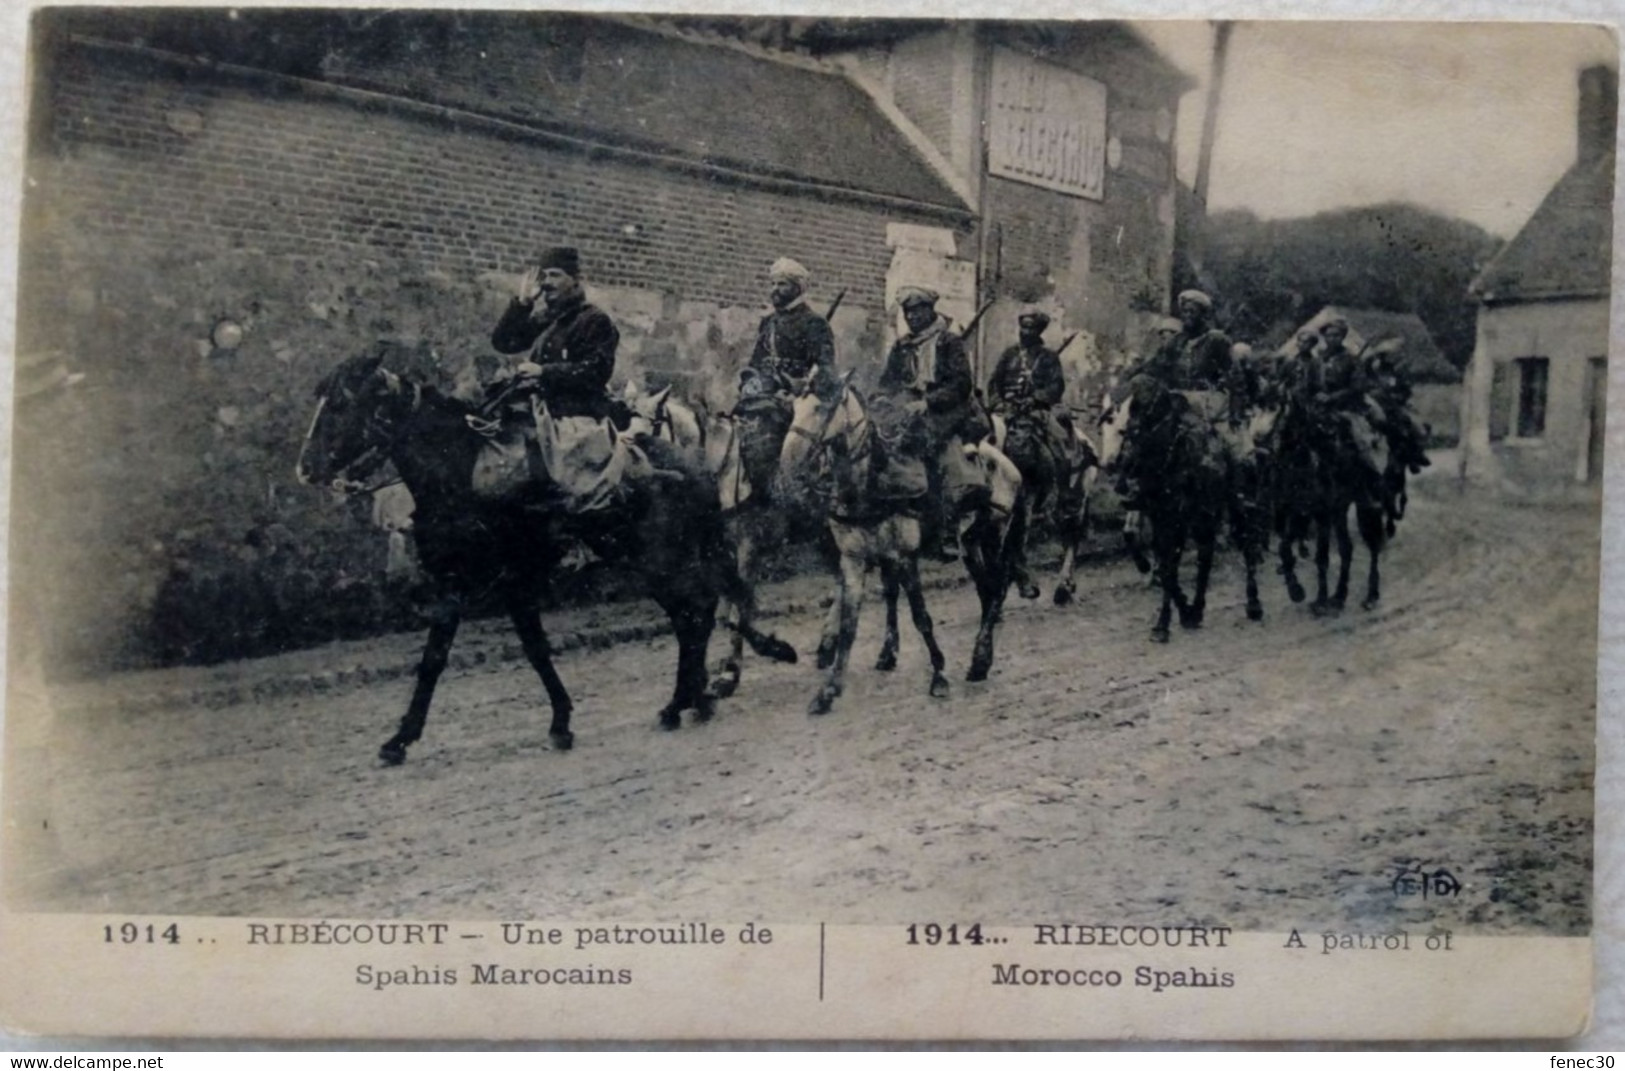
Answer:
(897, 468)
(577, 464)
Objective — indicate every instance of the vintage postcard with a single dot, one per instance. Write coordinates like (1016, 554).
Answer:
(553, 525)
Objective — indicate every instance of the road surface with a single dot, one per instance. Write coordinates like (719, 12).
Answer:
(1252, 775)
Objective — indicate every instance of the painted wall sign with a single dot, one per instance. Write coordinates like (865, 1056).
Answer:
(1048, 126)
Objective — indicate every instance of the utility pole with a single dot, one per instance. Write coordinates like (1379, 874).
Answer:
(1210, 120)
(1210, 132)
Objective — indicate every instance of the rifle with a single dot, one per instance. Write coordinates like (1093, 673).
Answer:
(830, 315)
(965, 331)
(1065, 342)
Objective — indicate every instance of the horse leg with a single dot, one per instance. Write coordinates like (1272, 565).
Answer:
(689, 690)
(436, 652)
(1073, 531)
(1371, 532)
(1191, 615)
(1131, 540)
(888, 587)
(990, 568)
(725, 677)
(848, 602)
(1345, 559)
(1021, 527)
(1323, 556)
(702, 618)
(908, 568)
(1167, 555)
(1289, 570)
(527, 622)
(1252, 556)
(829, 638)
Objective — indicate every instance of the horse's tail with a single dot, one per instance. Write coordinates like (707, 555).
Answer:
(737, 590)
(765, 644)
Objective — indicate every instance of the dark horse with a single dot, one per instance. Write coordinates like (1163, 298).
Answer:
(1317, 478)
(1192, 492)
(1054, 487)
(667, 528)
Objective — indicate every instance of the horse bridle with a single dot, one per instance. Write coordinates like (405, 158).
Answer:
(383, 436)
(819, 440)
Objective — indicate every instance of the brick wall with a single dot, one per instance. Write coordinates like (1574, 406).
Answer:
(162, 203)
(922, 76)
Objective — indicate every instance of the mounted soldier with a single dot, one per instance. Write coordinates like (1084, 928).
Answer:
(795, 348)
(1295, 374)
(1038, 437)
(1028, 383)
(1196, 359)
(927, 384)
(570, 343)
(549, 415)
(1339, 392)
(1391, 390)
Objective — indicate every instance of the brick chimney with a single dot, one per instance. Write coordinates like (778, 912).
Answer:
(1599, 112)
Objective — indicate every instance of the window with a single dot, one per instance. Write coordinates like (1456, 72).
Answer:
(1532, 376)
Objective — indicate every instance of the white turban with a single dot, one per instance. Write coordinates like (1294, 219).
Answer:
(786, 269)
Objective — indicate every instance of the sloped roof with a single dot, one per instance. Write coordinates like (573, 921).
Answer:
(1101, 46)
(597, 78)
(723, 105)
(1419, 356)
(1566, 248)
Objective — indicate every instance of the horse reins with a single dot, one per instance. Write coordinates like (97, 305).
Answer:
(376, 428)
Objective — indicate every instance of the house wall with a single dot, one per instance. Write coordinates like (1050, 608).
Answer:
(1101, 268)
(1438, 406)
(162, 201)
(1569, 334)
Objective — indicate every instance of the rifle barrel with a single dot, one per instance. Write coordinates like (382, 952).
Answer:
(830, 315)
(974, 320)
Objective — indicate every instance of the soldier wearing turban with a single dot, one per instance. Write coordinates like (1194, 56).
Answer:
(928, 372)
(794, 345)
(795, 349)
(1195, 359)
(1340, 388)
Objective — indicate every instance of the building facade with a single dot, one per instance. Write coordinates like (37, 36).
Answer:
(1534, 408)
(219, 209)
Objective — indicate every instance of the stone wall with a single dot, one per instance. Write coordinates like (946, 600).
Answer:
(169, 207)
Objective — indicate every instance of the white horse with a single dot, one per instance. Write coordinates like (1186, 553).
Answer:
(872, 529)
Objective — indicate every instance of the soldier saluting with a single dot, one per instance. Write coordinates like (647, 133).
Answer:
(571, 342)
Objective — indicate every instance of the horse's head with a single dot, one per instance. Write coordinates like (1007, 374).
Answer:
(819, 422)
(1114, 417)
(650, 416)
(358, 406)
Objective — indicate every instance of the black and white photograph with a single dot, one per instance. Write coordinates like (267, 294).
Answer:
(504, 498)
